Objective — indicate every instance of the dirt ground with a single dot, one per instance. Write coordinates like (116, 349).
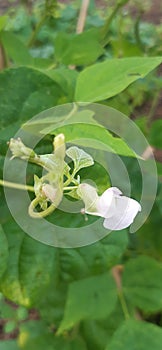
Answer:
(154, 14)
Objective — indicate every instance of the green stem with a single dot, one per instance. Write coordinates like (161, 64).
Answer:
(106, 27)
(153, 107)
(137, 31)
(16, 186)
(5, 58)
(123, 304)
(69, 188)
(42, 214)
(36, 30)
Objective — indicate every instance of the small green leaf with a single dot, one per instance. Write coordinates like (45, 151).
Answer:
(10, 326)
(142, 283)
(90, 298)
(136, 335)
(80, 158)
(22, 313)
(109, 78)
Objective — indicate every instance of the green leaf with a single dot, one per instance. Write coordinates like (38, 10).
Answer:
(9, 345)
(24, 84)
(27, 276)
(80, 158)
(3, 252)
(21, 313)
(3, 21)
(136, 335)
(29, 281)
(109, 78)
(142, 283)
(66, 78)
(10, 326)
(15, 49)
(77, 264)
(94, 136)
(78, 49)
(6, 310)
(98, 333)
(36, 336)
(90, 298)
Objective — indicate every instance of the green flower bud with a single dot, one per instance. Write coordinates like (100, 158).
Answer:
(18, 149)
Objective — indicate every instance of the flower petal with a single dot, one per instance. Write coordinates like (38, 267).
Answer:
(90, 197)
(126, 211)
(106, 204)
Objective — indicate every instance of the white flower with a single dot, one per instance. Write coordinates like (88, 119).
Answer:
(119, 211)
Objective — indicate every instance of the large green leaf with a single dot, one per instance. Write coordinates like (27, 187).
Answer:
(136, 335)
(37, 274)
(27, 275)
(77, 264)
(36, 336)
(82, 49)
(88, 135)
(21, 83)
(91, 298)
(98, 333)
(142, 283)
(15, 49)
(109, 78)
(66, 78)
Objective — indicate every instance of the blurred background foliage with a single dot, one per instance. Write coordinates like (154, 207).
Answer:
(107, 296)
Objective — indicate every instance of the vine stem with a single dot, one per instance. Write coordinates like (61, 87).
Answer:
(105, 29)
(69, 188)
(137, 31)
(16, 186)
(42, 214)
(116, 272)
(36, 30)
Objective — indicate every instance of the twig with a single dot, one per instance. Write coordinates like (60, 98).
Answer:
(82, 16)
(81, 22)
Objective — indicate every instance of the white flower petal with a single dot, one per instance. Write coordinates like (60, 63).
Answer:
(90, 197)
(126, 211)
(106, 203)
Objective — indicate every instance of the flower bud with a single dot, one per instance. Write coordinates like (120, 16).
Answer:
(59, 146)
(18, 149)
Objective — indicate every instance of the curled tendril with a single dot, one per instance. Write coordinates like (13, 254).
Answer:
(43, 213)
